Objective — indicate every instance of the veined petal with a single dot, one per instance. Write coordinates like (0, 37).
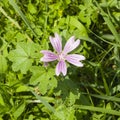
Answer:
(61, 67)
(56, 42)
(71, 45)
(75, 59)
(48, 56)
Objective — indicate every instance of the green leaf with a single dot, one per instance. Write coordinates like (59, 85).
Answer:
(32, 8)
(3, 64)
(22, 88)
(31, 117)
(19, 110)
(48, 82)
(1, 100)
(74, 22)
(22, 56)
(71, 113)
(61, 112)
(98, 116)
(37, 74)
(44, 78)
(68, 90)
(65, 113)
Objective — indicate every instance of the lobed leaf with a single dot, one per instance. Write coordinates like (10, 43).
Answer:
(23, 56)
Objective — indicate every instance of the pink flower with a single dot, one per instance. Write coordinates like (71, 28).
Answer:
(62, 55)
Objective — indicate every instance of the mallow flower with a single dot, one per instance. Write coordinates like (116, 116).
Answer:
(62, 56)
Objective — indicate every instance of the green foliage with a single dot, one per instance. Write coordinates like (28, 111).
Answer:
(23, 56)
(18, 111)
(31, 91)
(3, 64)
(44, 77)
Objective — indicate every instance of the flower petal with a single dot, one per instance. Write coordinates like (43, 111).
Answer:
(56, 42)
(61, 67)
(71, 45)
(48, 56)
(74, 59)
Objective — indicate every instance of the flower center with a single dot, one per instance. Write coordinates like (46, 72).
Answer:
(61, 56)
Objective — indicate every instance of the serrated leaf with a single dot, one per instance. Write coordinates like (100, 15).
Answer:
(22, 56)
(42, 76)
(43, 86)
(37, 74)
(68, 88)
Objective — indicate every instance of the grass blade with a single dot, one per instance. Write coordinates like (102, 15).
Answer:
(15, 6)
(109, 23)
(98, 109)
(105, 97)
(12, 20)
(44, 102)
(90, 40)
